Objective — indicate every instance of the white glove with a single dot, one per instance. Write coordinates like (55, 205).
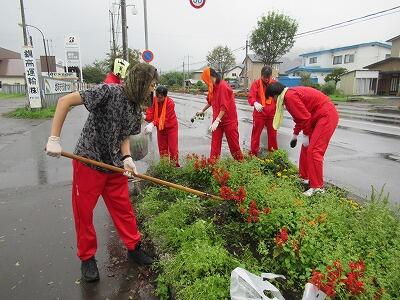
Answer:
(258, 107)
(53, 147)
(306, 140)
(149, 128)
(129, 166)
(214, 125)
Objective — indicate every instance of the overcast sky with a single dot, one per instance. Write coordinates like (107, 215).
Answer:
(177, 30)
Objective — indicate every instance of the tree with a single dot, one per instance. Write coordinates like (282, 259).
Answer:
(172, 78)
(133, 57)
(96, 72)
(273, 37)
(335, 75)
(221, 59)
(305, 80)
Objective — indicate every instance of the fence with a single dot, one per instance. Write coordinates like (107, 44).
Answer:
(13, 88)
(48, 98)
(50, 95)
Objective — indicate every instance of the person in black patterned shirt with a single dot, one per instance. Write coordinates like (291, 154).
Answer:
(114, 115)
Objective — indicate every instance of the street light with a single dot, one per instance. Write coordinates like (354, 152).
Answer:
(134, 11)
(44, 44)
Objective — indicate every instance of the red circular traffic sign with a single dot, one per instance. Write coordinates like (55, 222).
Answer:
(197, 3)
(147, 56)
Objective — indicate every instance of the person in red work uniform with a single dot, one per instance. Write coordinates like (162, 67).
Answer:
(263, 114)
(162, 116)
(118, 72)
(225, 120)
(316, 116)
(114, 115)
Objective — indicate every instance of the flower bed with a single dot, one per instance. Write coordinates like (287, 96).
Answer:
(265, 224)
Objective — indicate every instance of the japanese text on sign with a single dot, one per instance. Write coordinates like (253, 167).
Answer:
(31, 76)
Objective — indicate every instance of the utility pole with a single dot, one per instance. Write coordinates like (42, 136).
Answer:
(145, 25)
(183, 73)
(48, 47)
(247, 70)
(188, 68)
(23, 22)
(113, 34)
(124, 31)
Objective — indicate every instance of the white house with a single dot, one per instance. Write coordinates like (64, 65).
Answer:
(234, 72)
(354, 57)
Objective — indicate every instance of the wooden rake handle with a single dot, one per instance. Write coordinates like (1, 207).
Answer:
(141, 176)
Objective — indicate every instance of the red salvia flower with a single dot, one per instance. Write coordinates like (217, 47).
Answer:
(226, 193)
(253, 212)
(267, 210)
(282, 237)
(222, 176)
(241, 195)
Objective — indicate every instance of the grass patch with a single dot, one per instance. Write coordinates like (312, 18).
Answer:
(339, 98)
(27, 113)
(10, 96)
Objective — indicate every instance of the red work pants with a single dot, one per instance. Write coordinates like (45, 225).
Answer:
(232, 137)
(87, 185)
(312, 157)
(168, 143)
(258, 126)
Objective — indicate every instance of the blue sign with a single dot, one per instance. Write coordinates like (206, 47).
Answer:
(147, 56)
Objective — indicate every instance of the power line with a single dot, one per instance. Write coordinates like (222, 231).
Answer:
(348, 21)
(345, 25)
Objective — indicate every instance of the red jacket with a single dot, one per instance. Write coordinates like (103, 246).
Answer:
(223, 99)
(112, 78)
(306, 105)
(170, 116)
(269, 109)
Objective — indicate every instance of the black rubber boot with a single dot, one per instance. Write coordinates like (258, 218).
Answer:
(139, 256)
(89, 270)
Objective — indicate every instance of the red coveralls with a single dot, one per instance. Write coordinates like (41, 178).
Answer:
(315, 115)
(261, 120)
(112, 78)
(113, 187)
(223, 99)
(168, 137)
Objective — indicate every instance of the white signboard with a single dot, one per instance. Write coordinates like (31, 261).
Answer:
(31, 76)
(54, 86)
(61, 75)
(73, 52)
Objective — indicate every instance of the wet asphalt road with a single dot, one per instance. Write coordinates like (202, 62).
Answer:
(37, 240)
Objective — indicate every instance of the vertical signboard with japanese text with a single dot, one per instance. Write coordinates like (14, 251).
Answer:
(31, 76)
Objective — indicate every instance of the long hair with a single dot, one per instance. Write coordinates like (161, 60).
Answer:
(274, 89)
(138, 81)
(215, 74)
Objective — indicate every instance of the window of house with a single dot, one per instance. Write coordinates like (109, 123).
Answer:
(233, 74)
(337, 60)
(348, 58)
(387, 55)
(313, 60)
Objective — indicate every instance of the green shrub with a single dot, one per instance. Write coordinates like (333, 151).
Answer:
(329, 88)
(196, 261)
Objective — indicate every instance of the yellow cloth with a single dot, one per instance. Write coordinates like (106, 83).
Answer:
(278, 117)
(120, 67)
